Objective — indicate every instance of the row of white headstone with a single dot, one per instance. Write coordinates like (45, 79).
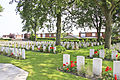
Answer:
(97, 65)
(74, 44)
(102, 53)
(78, 45)
(16, 52)
(28, 46)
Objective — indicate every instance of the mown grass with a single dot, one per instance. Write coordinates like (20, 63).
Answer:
(42, 66)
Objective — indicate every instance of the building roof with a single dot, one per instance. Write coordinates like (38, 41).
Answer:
(72, 36)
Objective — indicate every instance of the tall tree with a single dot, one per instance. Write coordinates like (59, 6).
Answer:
(109, 8)
(85, 15)
(32, 13)
(56, 9)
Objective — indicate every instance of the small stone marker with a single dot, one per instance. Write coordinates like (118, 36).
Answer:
(44, 47)
(54, 50)
(113, 55)
(32, 47)
(102, 54)
(91, 52)
(80, 62)
(97, 66)
(23, 53)
(16, 52)
(66, 58)
(116, 69)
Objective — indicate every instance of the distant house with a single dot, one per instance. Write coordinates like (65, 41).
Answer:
(46, 35)
(90, 34)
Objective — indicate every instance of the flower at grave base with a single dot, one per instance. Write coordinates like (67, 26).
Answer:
(110, 69)
(95, 52)
(71, 61)
(66, 62)
(11, 53)
(51, 47)
(38, 48)
(64, 65)
(72, 65)
(67, 69)
(117, 55)
(107, 69)
(115, 77)
(75, 62)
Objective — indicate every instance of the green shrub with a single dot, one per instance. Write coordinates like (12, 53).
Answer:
(46, 39)
(1, 39)
(32, 37)
(60, 49)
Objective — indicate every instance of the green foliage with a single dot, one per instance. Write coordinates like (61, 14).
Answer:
(32, 37)
(46, 39)
(1, 9)
(1, 39)
(60, 49)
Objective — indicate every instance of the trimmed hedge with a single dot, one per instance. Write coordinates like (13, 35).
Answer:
(46, 39)
(70, 40)
(1, 39)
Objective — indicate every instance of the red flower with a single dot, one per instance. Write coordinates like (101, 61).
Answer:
(67, 69)
(95, 52)
(115, 77)
(110, 69)
(38, 48)
(117, 55)
(11, 53)
(75, 62)
(64, 65)
(107, 69)
(51, 47)
(72, 65)
(66, 62)
(71, 61)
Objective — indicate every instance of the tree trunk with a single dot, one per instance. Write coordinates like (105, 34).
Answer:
(98, 35)
(35, 32)
(108, 30)
(58, 25)
(35, 35)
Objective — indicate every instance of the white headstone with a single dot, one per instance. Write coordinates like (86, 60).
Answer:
(97, 66)
(32, 47)
(19, 52)
(80, 62)
(66, 59)
(91, 44)
(116, 69)
(91, 52)
(54, 50)
(16, 52)
(23, 53)
(113, 55)
(44, 48)
(102, 54)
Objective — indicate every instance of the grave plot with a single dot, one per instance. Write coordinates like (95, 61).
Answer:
(13, 52)
(78, 68)
(106, 54)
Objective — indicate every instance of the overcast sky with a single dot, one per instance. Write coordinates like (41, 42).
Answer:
(10, 22)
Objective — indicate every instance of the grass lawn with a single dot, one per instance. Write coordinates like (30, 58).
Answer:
(42, 66)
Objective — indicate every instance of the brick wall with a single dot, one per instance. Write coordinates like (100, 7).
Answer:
(88, 34)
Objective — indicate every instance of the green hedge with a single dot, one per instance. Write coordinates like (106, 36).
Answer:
(69, 40)
(1, 39)
(46, 39)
